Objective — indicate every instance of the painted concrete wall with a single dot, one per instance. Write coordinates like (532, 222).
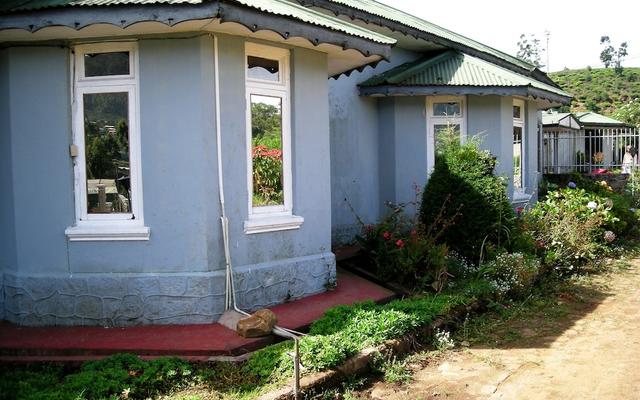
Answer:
(7, 227)
(492, 118)
(532, 143)
(177, 276)
(356, 167)
(403, 149)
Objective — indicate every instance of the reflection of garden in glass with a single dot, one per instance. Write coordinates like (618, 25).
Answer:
(107, 152)
(517, 157)
(266, 140)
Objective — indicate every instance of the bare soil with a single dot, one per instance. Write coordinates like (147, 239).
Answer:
(588, 350)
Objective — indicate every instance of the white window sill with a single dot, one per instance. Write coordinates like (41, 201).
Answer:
(110, 232)
(272, 223)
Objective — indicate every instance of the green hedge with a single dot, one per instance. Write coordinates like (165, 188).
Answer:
(463, 181)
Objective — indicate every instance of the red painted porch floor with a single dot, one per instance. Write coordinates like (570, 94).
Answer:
(194, 342)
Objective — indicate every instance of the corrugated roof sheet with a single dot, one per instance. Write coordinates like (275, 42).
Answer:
(277, 7)
(294, 10)
(453, 68)
(553, 118)
(591, 118)
(393, 14)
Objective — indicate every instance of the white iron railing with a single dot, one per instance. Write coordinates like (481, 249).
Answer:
(569, 150)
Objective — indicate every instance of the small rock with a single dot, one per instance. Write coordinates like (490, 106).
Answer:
(258, 324)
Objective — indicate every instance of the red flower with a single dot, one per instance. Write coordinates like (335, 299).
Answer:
(400, 243)
(386, 235)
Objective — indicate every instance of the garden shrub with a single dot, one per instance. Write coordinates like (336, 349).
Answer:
(464, 176)
(511, 274)
(623, 204)
(402, 251)
(571, 226)
(267, 175)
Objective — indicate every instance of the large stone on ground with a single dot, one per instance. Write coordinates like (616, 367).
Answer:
(258, 324)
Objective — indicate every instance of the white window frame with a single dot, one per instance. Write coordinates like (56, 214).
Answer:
(433, 120)
(520, 122)
(120, 226)
(280, 217)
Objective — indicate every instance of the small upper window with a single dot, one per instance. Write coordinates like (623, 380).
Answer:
(452, 109)
(263, 69)
(106, 64)
(517, 112)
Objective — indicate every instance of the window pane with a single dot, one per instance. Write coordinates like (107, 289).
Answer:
(106, 129)
(517, 157)
(444, 134)
(263, 69)
(105, 64)
(446, 109)
(517, 112)
(266, 133)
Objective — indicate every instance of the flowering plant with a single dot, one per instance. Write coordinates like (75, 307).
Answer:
(511, 274)
(404, 251)
(267, 175)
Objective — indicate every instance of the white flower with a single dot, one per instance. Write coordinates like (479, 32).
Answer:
(609, 236)
(592, 205)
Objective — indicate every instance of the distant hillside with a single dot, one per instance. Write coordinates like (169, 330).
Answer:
(599, 90)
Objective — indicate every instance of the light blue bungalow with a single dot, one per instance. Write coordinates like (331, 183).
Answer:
(385, 120)
(146, 144)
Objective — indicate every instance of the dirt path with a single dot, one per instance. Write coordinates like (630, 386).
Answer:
(592, 352)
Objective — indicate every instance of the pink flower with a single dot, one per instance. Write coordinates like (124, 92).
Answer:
(400, 243)
(519, 210)
(386, 235)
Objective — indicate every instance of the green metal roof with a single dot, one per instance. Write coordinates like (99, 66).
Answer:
(393, 14)
(285, 8)
(277, 7)
(453, 68)
(591, 118)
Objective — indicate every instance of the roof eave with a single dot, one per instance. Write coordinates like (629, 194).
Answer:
(253, 19)
(459, 90)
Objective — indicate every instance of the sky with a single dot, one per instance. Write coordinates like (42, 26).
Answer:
(574, 27)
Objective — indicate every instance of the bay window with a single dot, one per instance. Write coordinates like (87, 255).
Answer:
(446, 115)
(518, 146)
(269, 178)
(106, 144)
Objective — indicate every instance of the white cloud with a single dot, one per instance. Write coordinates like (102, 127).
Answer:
(575, 26)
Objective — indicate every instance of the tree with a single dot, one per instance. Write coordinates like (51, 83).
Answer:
(629, 113)
(612, 57)
(530, 50)
(265, 120)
